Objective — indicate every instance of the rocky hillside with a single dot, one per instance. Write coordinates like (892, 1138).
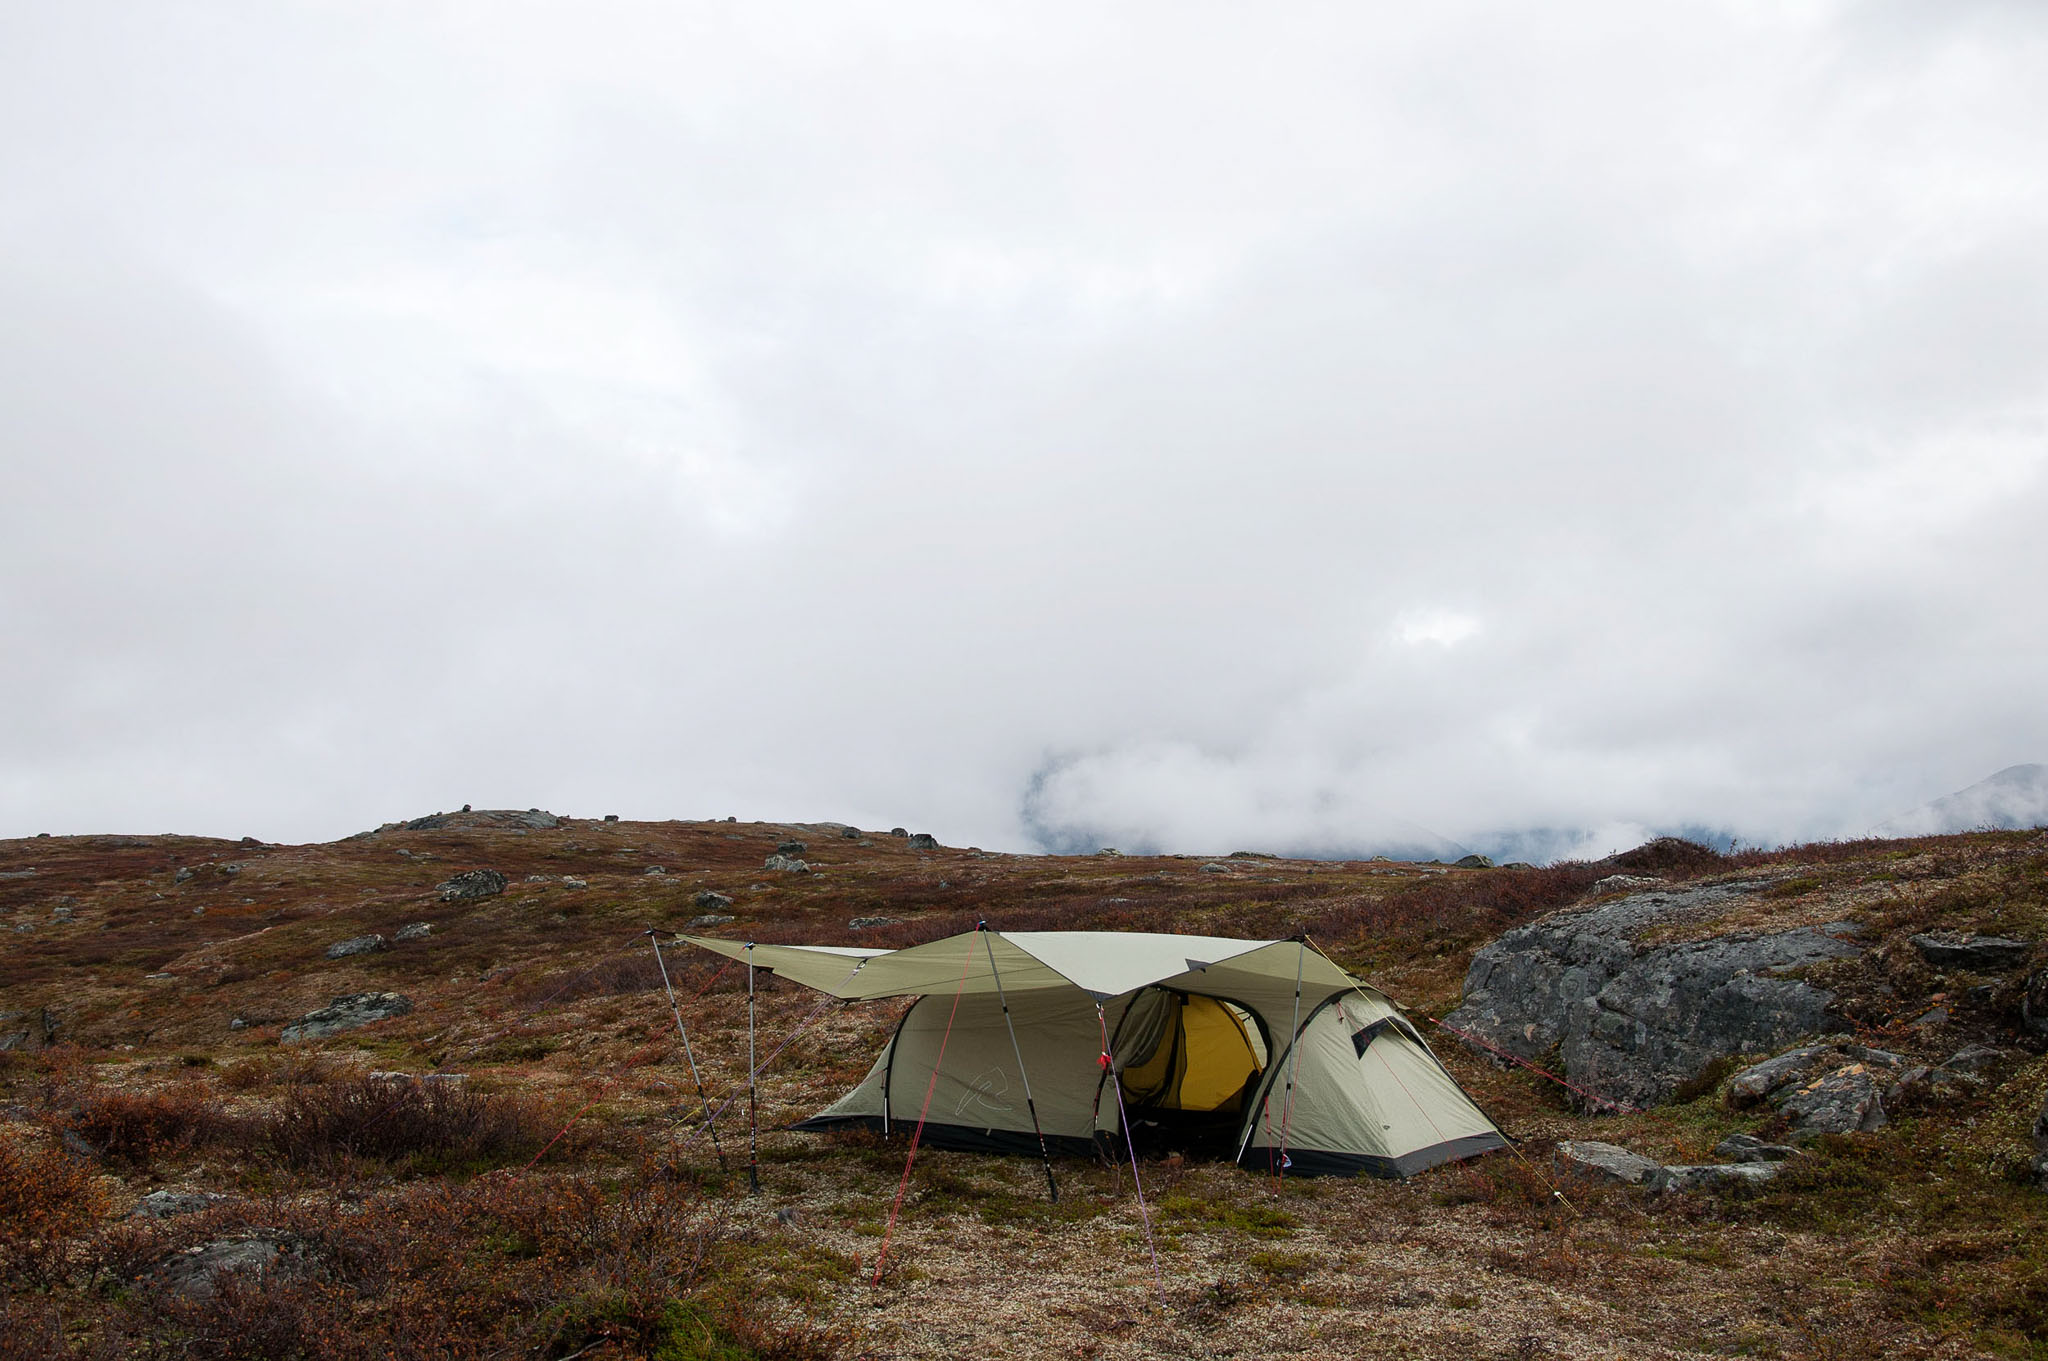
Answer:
(257, 1096)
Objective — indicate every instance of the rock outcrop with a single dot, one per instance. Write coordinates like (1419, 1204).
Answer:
(1633, 1021)
(346, 1013)
(357, 945)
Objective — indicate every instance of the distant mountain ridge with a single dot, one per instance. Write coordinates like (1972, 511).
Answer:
(2013, 798)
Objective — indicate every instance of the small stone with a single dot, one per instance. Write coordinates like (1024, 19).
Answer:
(1974, 1059)
(1518, 865)
(540, 878)
(1747, 1148)
(866, 923)
(791, 847)
(924, 841)
(184, 874)
(357, 945)
(1975, 954)
(238, 1024)
(1213, 868)
(712, 902)
(415, 931)
(165, 1204)
(786, 1218)
(708, 919)
(1606, 1162)
(568, 882)
(787, 864)
(472, 884)
(656, 869)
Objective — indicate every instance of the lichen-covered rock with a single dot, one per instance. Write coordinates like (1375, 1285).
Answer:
(712, 902)
(1714, 1178)
(472, 884)
(923, 841)
(708, 919)
(415, 931)
(1837, 1087)
(1973, 954)
(865, 923)
(1634, 1021)
(347, 1013)
(1606, 1162)
(357, 945)
(788, 864)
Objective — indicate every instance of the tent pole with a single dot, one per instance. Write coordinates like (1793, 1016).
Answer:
(688, 1053)
(1293, 1058)
(1051, 1186)
(753, 1115)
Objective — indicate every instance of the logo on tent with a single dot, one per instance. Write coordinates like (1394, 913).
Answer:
(993, 1082)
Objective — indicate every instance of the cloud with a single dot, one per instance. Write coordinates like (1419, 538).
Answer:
(1027, 424)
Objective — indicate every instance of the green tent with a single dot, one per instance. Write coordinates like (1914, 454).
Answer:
(1262, 1050)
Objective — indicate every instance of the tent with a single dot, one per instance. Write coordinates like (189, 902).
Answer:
(1262, 1050)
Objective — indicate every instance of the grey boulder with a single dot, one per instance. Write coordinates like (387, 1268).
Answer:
(472, 884)
(415, 931)
(712, 902)
(788, 864)
(1973, 954)
(357, 945)
(864, 923)
(1606, 1162)
(347, 1013)
(1633, 1021)
(923, 841)
(1714, 1177)
(791, 847)
(708, 919)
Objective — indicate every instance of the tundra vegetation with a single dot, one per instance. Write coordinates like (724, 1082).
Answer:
(513, 1163)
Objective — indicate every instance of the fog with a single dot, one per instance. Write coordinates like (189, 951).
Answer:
(1171, 427)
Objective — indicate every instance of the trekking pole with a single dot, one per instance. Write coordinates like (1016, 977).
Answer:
(1052, 1187)
(688, 1053)
(753, 1113)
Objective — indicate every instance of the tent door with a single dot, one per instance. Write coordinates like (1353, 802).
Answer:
(1193, 1060)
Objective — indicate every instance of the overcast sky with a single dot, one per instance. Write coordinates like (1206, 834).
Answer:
(1170, 426)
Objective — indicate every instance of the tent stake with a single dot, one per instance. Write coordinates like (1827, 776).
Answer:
(688, 1053)
(1052, 1187)
(753, 1115)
